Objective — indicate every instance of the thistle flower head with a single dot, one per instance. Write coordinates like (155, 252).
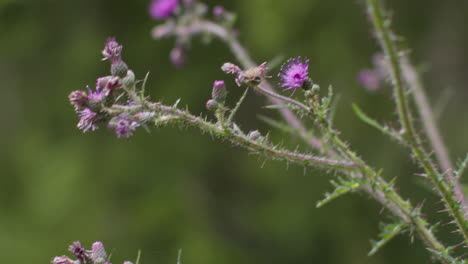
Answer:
(370, 79)
(231, 68)
(294, 74)
(177, 56)
(112, 50)
(218, 11)
(98, 253)
(252, 76)
(111, 85)
(78, 99)
(123, 125)
(95, 98)
(162, 9)
(78, 251)
(88, 122)
(62, 260)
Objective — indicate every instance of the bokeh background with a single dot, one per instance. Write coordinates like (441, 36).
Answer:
(172, 188)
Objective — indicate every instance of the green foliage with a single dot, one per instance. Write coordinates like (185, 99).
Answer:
(389, 231)
(342, 187)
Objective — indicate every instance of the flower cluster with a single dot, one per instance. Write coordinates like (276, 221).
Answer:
(97, 255)
(92, 105)
(372, 79)
(182, 19)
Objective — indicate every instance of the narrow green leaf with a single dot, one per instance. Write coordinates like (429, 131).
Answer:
(277, 107)
(388, 232)
(371, 122)
(461, 168)
(343, 187)
(138, 257)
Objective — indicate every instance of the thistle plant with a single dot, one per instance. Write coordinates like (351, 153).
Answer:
(120, 103)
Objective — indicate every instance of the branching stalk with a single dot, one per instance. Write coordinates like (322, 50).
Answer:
(386, 39)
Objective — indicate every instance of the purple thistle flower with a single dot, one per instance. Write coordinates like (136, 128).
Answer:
(162, 9)
(294, 73)
(95, 97)
(124, 126)
(78, 250)
(98, 252)
(370, 79)
(188, 3)
(112, 84)
(112, 50)
(62, 260)
(78, 99)
(101, 82)
(218, 11)
(88, 122)
(177, 57)
(231, 68)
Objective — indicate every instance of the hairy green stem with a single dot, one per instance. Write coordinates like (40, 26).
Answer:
(256, 146)
(430, 128)
(385, 37)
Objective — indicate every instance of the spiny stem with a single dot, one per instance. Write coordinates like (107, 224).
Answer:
(430, 127)
(253, 145)
(385, 37)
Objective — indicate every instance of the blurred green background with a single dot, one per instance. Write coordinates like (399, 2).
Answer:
(173, 188)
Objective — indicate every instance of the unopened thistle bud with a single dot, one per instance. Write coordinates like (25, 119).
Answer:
(144, 117)
(119, 68)
(219, 91)
(177, 56)
(129, 80)
(254, 135)
(212, 105)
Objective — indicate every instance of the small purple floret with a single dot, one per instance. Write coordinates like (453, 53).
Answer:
(218, 11)
(78, 251)
(294, 73)
(112, 50)
(78, 99)
(124, 126)
(177, 57)
(370, 79)
(88, 122)
(162, 9)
